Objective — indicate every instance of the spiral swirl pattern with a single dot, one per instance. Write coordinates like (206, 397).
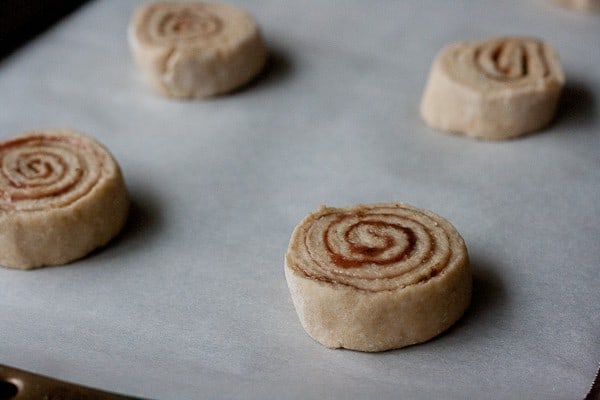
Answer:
(46, 171)
(504, 62)
(181, 22)
(493, 89)
(511, 59)
(194, 49)
(376, 247)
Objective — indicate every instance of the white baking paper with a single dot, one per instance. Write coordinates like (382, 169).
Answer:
(190, 302)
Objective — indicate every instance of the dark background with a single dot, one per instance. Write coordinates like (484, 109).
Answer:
(22, 20)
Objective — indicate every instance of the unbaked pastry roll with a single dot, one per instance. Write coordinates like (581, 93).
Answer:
(581, 5)
(377, 277)
(188, 49)
(493, 89)
(61, 196)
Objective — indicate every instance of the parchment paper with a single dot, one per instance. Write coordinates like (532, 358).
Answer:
(190, 302)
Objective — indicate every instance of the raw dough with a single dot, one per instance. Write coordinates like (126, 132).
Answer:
(493, 89)
(192, 50)
(377, 277)
(61, 196)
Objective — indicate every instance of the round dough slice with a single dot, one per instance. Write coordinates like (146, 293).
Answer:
(581, 5)
(377, 277)
(62, 195)
(195, 50)
(493, 89)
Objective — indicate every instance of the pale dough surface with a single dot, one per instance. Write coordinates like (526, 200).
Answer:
(493, 89)
(62, 196)
(194, 49)
(401, 277)
(582, 5)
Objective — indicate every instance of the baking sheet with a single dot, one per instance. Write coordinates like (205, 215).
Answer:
(191, 300)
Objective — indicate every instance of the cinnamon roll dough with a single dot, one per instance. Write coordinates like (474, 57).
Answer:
(377, 277)
(62, 195)
(581, 5)
(194, 50)
(493, 89)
